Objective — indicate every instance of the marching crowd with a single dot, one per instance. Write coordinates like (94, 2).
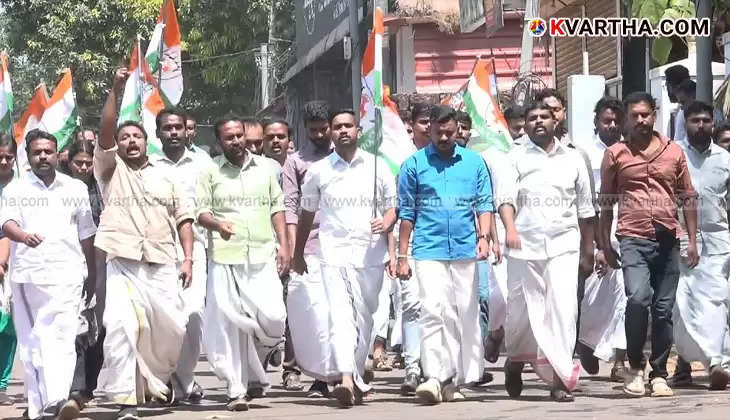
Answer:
(125, 269)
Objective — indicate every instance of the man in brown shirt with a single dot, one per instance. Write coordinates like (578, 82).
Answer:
(647, 175)
(144, 215)
(316, 122)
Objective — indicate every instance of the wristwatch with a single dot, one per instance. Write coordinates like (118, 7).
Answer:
(485, 236)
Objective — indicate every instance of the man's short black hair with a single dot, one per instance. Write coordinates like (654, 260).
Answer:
(725, 126)
(6, 140)
(169, 111)
(225, 120)
(463, 117)
(698, 107)
(550, 93)
(316, 111)
(342, 111)
(37, 134)
(81, 130)
(688, 87)
(514, 112)
(278, 120)
(609, 102)
(130, 123)
(637, 97)
(421, 109)
(535, 105)
(676, 74)
(442, 113)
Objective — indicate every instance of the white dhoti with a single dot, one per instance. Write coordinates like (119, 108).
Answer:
(46, 319)
(331, 320)
(451, 339)
(194, 305)
(541, 316)
(603, 311)
(701, 311)
(497, 296)
(145, 326)
(244, 306)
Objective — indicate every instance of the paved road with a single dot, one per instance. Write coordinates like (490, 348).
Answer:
(598, 399)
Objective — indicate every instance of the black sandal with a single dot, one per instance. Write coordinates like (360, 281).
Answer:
(561, 395)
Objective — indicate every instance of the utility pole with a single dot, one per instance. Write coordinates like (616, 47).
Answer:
(264, 75)
(704, 56)
(356, 58)
(532, 9)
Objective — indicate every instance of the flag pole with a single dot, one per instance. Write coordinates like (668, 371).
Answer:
(139, 73)
(4, 53)
(162, 48)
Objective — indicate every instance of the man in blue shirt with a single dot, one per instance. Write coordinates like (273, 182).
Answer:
(443, 191)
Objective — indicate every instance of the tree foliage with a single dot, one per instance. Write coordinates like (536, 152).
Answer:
(92, 37)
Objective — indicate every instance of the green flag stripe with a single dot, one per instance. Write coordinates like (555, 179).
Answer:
(6, 123)
(496, 139)
(64, 134)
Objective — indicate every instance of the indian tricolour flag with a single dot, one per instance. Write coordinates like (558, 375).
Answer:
(478, 98)
(382, 129)
(30, 120)
(141, 100)
(6, 96)
(166, 39)
(61, 115)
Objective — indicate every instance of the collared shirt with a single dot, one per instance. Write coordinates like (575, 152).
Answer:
(550, 191)
(295, 168)
(142, 210)
(595, 149)
(185, 172)
(343, 193)
(276, 168)
(61, 214)
(246, 196)
(647, 187)
(200, 152)
(441, 198)
(710, 171)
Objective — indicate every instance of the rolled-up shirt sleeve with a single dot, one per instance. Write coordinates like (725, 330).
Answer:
(584, 191)
(685, 189)
(390, 191)
(290, 187)
(10, 207)
(407, 190)
(182, 210)
(277, 197)
(105, 160)
(84, 219)
(204, 193)
(485, 199)
(609, 181)
(310, 190)
(508, 177)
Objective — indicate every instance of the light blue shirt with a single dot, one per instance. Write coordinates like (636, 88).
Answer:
(442, 198)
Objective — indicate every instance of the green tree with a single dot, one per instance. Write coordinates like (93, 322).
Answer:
(92, 37)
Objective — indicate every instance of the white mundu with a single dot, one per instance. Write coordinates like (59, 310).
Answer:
(47, 281)
(701, 310)
(550, 191)
(603, 294)
(352, 264)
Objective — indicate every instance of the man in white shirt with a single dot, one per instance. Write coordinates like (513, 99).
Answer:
(602, 336)
(674, 76)
(184, 167)
(701, 331)
(353, 227)
(547, 209)
(48, 217)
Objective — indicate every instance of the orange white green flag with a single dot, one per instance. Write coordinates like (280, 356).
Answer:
(31, 119)
(478, 98)
(61, 115)
(383, 132)
(141, 100)
(164, 53)
(6, 96)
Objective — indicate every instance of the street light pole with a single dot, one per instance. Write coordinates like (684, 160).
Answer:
(704, 56)
(356, 58)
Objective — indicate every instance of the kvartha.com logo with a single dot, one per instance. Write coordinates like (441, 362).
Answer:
(614, 27)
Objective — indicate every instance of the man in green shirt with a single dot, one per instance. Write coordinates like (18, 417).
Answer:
(241, 204)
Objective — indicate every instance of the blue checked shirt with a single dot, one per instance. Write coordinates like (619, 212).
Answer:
(442, 198)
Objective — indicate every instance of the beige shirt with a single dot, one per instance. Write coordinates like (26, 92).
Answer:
(142, 209)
